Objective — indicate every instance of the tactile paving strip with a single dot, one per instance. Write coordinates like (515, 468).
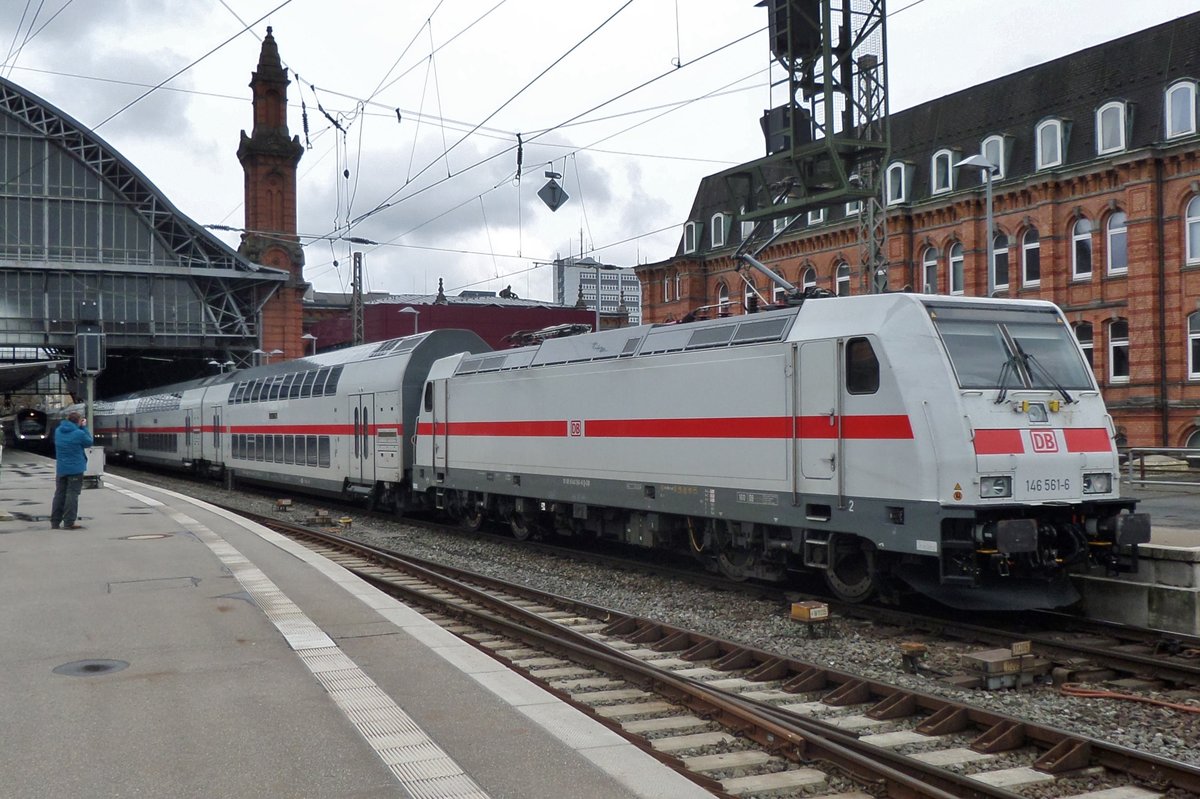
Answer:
(417, 762)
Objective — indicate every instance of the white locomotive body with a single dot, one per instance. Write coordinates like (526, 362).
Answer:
(956, 446)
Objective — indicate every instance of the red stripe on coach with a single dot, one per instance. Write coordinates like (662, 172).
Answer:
(998, 442)
(551, 429)
(1087, 439)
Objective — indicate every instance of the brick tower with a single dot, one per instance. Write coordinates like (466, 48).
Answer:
(269, 157)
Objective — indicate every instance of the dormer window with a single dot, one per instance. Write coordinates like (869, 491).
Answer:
(1049, 143)
(780, 223)
(1180, 106)
(897, 183)
(994, 149)
(816, 217)
(718, 231)
(853, 208)
(1110, 128)
(689, 237)
(747, 227)
(942, 169)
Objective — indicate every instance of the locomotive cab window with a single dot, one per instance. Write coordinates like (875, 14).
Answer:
(429, 396)
(862, 367)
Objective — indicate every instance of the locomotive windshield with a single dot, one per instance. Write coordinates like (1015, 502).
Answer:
(1011, 349)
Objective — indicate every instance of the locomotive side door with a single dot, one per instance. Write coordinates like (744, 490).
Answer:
(362, 457)
(440, 435)
(820, 420)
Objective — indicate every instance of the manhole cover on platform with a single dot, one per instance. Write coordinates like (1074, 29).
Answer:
(145, 537)
(90, 668)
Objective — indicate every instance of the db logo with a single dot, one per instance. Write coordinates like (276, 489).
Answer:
(1043, 440)
(576, 427)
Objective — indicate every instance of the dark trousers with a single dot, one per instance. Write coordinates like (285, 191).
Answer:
(65, 507)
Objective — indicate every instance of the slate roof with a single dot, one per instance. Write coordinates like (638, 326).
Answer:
(1136, 69)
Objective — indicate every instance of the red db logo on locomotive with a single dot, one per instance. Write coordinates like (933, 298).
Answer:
(1043, 440)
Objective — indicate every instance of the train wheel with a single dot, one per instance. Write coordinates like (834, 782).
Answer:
(851, 574)
(522, 530)
(735, 564)
(472, 517)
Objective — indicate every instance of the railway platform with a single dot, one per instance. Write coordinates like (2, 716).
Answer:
(171, 649)
(1164, 593)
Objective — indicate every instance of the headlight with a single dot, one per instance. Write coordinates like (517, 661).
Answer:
(1098, 483)
(993, 487)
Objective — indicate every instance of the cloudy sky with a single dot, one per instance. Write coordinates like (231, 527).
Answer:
(414, 106)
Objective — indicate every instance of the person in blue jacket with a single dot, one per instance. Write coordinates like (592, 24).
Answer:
(70, 440)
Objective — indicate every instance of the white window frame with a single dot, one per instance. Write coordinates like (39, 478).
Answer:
(777, 294)
(896, 180)
(689, 237)
(1001, 145)
(808, 279)
(1088, 346)
(929, 265)
(1191, 231)
(946, 157)
(718, 230)
(996, 253)
(666, 287)
(853, 208)
(956, 261)
(1115, 344)
(1193, 346)
(678, 285)
(751, 291)
(1122, 112)
(1110, 230)
(1042, 161)
(1078, 238)
(780, 223)
(747, 227)
(722, 299)
(841, 277)
(1026, 249)
(1186, 88)
(816, 217)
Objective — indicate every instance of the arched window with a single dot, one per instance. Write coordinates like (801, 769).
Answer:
(1194, 346)
(810, 278)
(689, 237)
(1000, 261)
(897, 183)
(1180, 107)
(777, 294)
(1049, 143)
(842, 277)
(929, 275)
(1118, 351)
(957, 279)
(1110, 128)
(942, 169)
(718, 230)
(1083, 333)
(723, 300)
(1081, 249)
(678, 285)
(994, 150)
(666, 292)
(1031, 258)
(1192, 224)
(750, 296)
(1116, 244)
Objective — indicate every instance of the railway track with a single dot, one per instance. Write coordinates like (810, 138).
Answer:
(741, 720)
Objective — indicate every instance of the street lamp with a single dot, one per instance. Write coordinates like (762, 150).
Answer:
(415, 315)
(258, 356)
(989, 169)
(313, 339)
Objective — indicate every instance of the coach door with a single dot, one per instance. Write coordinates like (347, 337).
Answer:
(217, 456)
(191, 438)
(362, 449)
(388, 440)
(819, 428)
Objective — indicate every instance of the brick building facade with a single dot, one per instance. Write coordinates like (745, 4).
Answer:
(269, 156)
(1096, 208)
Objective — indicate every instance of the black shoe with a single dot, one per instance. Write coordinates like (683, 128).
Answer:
(54, 527)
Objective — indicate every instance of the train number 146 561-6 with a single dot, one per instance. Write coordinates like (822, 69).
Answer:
(1043, 484)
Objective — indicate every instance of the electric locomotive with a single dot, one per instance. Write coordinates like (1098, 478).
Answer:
(957, 447)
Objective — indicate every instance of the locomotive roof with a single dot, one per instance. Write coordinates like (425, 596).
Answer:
(828, 316)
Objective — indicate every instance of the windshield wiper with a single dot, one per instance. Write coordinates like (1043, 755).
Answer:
(1030, 361)
(1009, 368)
